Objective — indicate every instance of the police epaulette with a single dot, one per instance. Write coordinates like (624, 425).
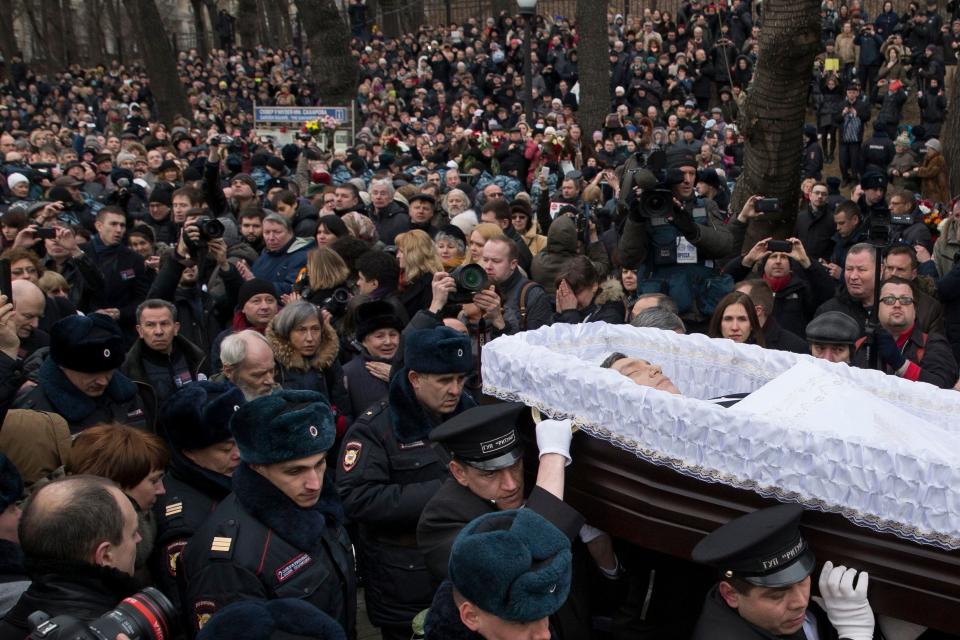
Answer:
(173, 508)
(372, 412)
(224, 540)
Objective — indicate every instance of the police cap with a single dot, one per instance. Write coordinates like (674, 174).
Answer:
(764, 548)
(484, 437)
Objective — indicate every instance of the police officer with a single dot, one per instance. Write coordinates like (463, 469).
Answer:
(388, 473)
(283, 619)
(79, 380)
(674, 248)
(764, 588)
(203, 455)
(486, 475)
(278, 534)
(509, 571)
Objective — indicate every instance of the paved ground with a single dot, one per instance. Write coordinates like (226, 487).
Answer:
(365, 630)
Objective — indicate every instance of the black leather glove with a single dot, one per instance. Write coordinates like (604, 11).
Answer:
(889, 351)
(683, 221)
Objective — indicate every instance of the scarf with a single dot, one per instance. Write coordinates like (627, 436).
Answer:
(776, 284)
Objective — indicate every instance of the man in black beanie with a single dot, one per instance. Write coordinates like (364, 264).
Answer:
(79, 380)
(388, 472)
(195, 422)
(279, 534)
(673, 240)
(160, 214)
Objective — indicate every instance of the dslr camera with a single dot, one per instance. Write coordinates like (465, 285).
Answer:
(210, 229)
(147, 615)
(471, 279)
(658, 201)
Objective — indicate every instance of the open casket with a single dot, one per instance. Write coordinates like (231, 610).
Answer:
(875, 459)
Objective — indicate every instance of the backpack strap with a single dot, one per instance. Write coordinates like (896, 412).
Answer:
(523, 303)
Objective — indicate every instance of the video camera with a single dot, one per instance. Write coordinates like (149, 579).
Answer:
(658, 201)
(147, 615)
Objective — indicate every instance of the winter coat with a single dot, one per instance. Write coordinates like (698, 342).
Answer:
(902, 162)
(938, 365)
(322, 372)
(37, 443)
(125, 283)
(534, 241)
(276, 550)
(416, 295)
(948, 290)
(13, 576)
(187, 354)
(391, 221)
(933, 178)
(561, 246)
(846, 48)
(815, 229)
(55, 393)
(281, 267)
(364, 388)
(76, 589)
(830, 104)
(946, 247)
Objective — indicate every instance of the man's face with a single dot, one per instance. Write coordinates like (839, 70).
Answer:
(777, 266)
(421, 212)
(381, 196)
(439, 393)
(858, 275)
(452, 179)
(899, 316)
(898, 205)
(251, 229)
(241, 190)
(873, 196)
(157, 329)
(645, 374)
(260, 309)
(503, 487)
(27, 313)
(300, 480)
(158, 211)
(344, 198)
(90, 384)
(275, 235)
(123, 556)
(846, 223)
(111, 228)
(222, 457)
(496, 261)
(899, 264)
(181, 204)
(818, 196)
(685, 189)
(569, 189)
(492, 192)
(831, 352)
(254, 376)
(778, 611)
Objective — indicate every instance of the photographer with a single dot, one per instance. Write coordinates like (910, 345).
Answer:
(79, 536)
(674, 250)
(243, 189)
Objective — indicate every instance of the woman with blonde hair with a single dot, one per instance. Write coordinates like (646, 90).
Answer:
(418, 260)
(326, 277)
(481, 234)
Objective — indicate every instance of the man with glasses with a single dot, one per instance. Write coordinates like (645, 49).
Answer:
(815, 227)
(904, 349)
(901, 261)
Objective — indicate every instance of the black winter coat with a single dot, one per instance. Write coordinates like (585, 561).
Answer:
(260, 544)
(387, 474)
(83, 591)
(126, 283)
(152, 398)
(948, 289)
(815, 229)
(391, 221)
(364, 389)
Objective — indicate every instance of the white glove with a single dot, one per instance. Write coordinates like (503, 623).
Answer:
(553, 436)
(846, 605)
(588, 534)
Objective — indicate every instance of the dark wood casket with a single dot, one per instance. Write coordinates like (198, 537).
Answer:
(660, 509)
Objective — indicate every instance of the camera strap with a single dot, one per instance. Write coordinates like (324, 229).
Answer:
(481, 340)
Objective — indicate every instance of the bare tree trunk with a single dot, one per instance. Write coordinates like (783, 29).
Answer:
(772, 116)
(94, 27)
(8, 41)
(950, 132)
(247, 23)
(263, 31)
(159, 60)
(499, 6)
(593, 66)
(391, 21)
(114, 13)
(199, 27)
(211, 8)
(281, 14)
(334, 69)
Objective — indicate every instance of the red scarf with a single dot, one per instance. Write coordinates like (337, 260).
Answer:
(902, 340)
(778, 283)
(240, 323)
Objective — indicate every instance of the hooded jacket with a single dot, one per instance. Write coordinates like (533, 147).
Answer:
(561, 246)
(608, 305)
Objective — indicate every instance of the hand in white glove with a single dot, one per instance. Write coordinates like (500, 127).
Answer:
(553, 436)
(588, 533)
(846, 605)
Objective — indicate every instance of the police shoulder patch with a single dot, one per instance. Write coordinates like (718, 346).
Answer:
(351, 454)
(172, 552)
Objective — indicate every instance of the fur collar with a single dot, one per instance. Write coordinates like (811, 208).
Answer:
(410, 421)
(303, 528)
(70, 402)
(610, 291)
(288, 357)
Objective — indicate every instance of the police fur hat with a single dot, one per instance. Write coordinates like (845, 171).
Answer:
(513, 564)
(437, 350)
(286, 425)
(90, 343)
(11, 484)
(286, 618)
(873, 180)
(374, 315)
(198, 415)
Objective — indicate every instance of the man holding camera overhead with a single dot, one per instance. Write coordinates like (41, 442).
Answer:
(672, 236)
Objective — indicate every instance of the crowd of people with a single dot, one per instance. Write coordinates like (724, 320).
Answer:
(248, 374)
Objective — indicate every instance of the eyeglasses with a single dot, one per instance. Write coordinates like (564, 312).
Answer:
(495, 194)
(892, 300)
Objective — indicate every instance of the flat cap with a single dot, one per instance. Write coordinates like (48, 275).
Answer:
(833, 327)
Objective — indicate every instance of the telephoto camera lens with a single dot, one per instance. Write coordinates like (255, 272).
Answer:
(147, 615)
(471, 279)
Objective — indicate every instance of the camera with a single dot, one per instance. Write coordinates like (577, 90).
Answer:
(656, 203)
(210, 229)
(147, 615)
(767, 205)
(779, 246)
(471, 279)
(336, 302)
(223, 140)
